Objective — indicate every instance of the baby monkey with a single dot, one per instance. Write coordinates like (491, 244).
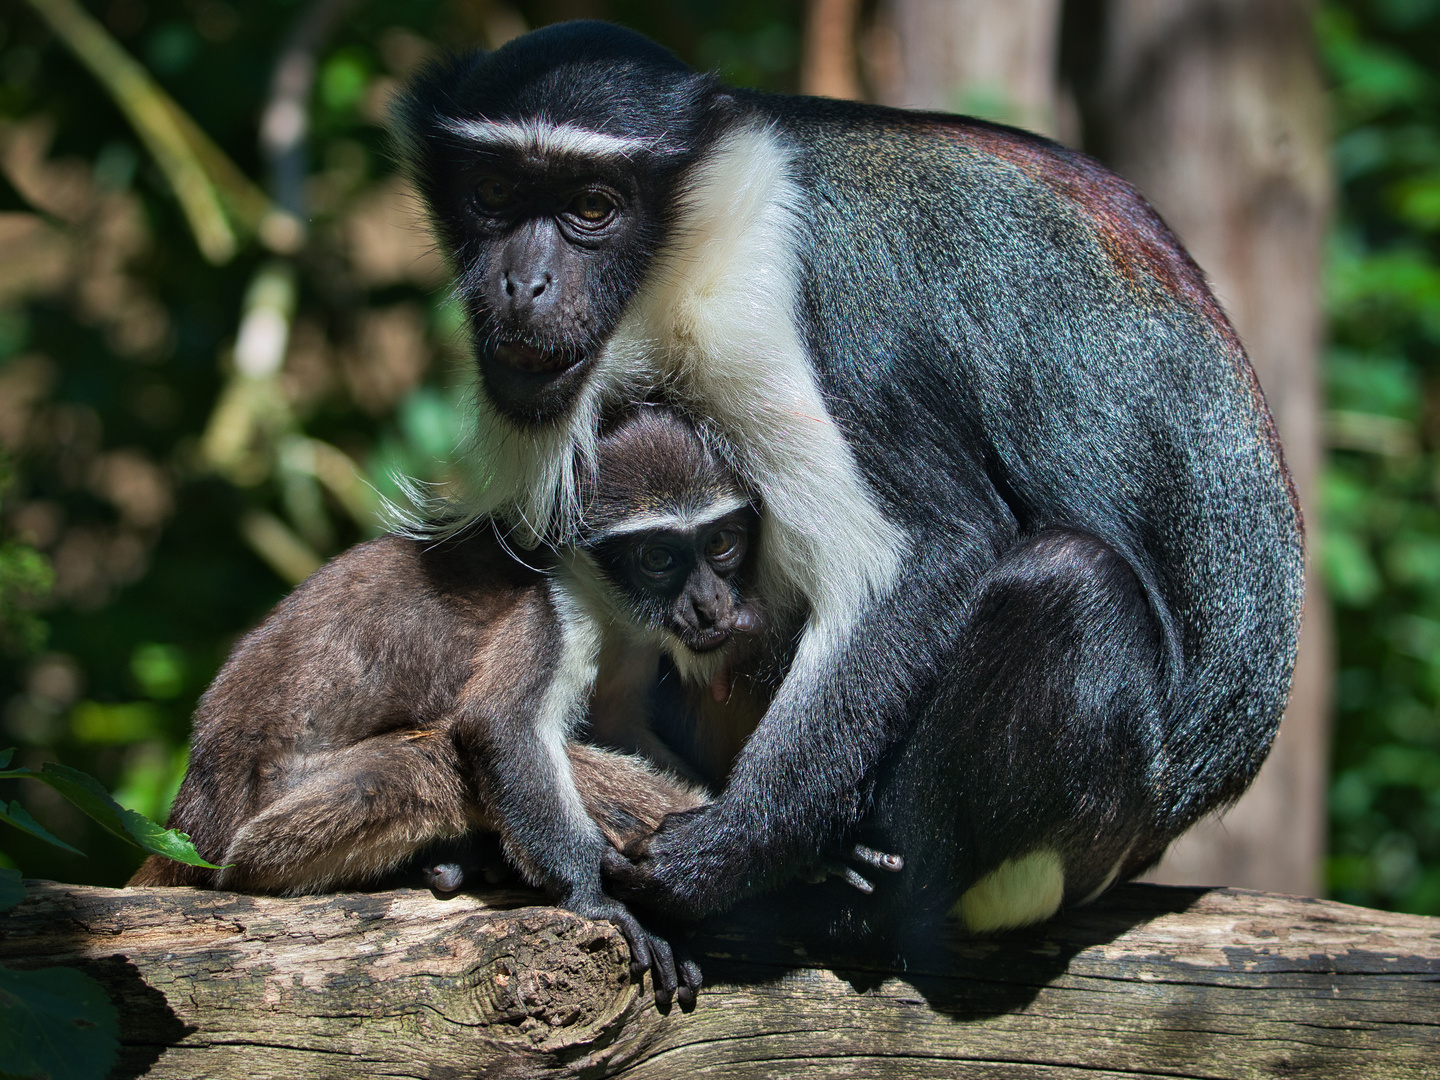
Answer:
(412, 694)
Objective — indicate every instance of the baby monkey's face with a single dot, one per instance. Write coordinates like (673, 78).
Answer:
(688, 581)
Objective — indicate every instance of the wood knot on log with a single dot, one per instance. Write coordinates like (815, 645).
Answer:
(555, 983)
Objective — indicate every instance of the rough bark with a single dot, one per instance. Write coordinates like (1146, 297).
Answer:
(1216, 111)
(1150, 981)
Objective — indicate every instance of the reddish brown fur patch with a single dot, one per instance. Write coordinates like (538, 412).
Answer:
(1136, 241)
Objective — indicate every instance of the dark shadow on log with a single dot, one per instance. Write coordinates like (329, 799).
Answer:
(147, 1023)
(148, 1026)
(963, 977)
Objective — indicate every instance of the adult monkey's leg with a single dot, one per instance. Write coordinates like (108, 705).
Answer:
(1051, 671)
(1026, 780)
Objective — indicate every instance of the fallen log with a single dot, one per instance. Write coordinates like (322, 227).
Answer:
(1150, 981)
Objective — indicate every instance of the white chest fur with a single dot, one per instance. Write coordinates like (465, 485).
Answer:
(713, 331)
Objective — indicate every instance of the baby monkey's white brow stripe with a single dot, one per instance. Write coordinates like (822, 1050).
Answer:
(537, 137)
(678, 520)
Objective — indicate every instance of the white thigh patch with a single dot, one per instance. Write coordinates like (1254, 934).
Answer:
(1110, 878)
(1018, 892)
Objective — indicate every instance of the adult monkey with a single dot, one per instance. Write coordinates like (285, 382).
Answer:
(1023, 496)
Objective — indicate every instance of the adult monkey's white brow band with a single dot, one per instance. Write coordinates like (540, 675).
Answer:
(542, 139)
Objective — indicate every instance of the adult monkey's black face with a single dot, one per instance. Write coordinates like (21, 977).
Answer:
(552, 183)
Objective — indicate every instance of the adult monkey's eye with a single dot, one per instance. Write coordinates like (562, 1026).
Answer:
(592, 207)
(724, 544)
(657, 560)
(494, 192)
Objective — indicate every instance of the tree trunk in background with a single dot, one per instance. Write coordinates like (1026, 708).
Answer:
(990, 58)
(828, 67)
(1215, 110)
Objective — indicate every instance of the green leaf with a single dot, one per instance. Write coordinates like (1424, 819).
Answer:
(1417, 201)
(11, 891)
(5, 756)
(1424, 897)
(1373, 382)
(1370, 77)
(86, 793)
(56, 1023)
(25, 574)
(1412, 766)
(1414, 559)
(1402, 279)
(16, 815)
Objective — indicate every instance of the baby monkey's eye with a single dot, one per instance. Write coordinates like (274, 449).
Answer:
(494, 192)
(724, 544)
(657, 560)
(592, 207)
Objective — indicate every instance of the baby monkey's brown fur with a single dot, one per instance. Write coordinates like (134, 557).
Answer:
(415, 692)
(351, 730)
(413, 695)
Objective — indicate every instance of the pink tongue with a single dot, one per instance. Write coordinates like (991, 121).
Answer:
(720, 685)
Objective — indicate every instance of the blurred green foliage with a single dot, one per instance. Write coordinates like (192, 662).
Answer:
(1381, 541)
(175, 498)
(25, 578)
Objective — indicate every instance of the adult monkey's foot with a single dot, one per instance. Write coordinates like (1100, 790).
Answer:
(870, 857)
